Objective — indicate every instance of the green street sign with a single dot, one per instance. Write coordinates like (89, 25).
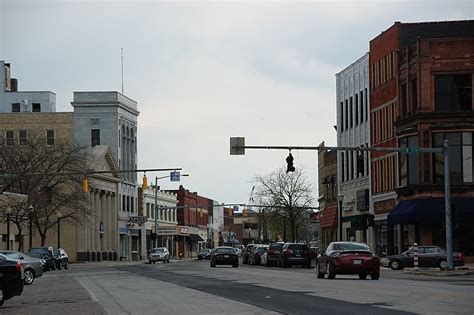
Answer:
(412, 150)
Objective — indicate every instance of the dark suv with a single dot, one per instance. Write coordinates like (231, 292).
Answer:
(273, 253)
(47, 255)
(295, 254)
(11, 281)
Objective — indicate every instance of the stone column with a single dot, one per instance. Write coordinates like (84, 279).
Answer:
(103, 216)
(98, 216)
(90, 221)
(113, 223)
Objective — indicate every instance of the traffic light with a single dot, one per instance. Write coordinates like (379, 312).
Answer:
(360, 163)
(145, 182)
(289, 160)
(245, 212)
(85, 185)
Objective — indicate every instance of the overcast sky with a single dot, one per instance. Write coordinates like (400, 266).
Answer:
(202, 72)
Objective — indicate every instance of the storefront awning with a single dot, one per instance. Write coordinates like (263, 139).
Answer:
(195, 238)
(328, 218)
(429, 210)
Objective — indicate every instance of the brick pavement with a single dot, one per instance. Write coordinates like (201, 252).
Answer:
(52, 295)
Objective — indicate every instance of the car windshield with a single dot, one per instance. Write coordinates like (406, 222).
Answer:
(56, 252)
(224, 250)
(11, 255)
(158, 250)
(276, 246)
(350, 246)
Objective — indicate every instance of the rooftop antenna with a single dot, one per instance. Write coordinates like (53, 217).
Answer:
(122, 68)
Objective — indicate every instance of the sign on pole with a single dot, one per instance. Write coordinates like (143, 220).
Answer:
(412, 150)
(174, 176)
(237, 146)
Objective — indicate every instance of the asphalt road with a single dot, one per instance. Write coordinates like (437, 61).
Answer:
(194, 288)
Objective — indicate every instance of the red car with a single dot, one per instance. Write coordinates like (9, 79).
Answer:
(348, 258)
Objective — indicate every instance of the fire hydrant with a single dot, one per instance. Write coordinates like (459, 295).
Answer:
(180, 256)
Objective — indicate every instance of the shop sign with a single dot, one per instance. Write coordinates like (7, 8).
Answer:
(183, 230)
(137, 219)
(167, 230)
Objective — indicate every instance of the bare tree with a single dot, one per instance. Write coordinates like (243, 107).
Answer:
(50, 175)
(289, 195)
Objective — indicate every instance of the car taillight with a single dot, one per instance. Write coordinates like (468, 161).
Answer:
(19, 266)
(271, 251)
(458, 255)
(306, 252)
(288, 252)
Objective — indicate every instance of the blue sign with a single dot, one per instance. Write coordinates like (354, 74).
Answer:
(174, 176)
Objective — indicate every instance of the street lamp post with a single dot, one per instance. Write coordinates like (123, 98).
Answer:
(31, 211)
(59, 215)
(156, 205)
(250, 230)
(8, 212)
(340, 198)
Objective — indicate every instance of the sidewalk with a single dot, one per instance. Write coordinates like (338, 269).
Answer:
(466, 270)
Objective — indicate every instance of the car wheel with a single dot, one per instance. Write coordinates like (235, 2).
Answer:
(66, 266)
(60, 266)
(29, 276)
(213, 265)
(319, 274)
(2, 295)
(375, 276)
(329, 273)
(53, 267)
(395, 265)
(443, 264)
(235, 265)
(267, 264)
(362, 276)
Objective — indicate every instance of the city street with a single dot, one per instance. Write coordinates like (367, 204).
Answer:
(192, 287)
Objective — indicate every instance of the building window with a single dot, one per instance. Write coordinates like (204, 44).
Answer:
(403, 100)
(342, 116)
(351, 112)
(15, 107)
(409, 163)
(366, 104)
(147, 210)
(36, 107)
(346, 116)
(95, 137)
(453, 93)
(23, 137)
(352, 164)
(356, 109)
(414, 95)
(10, 140)
(456, 157)
(50, 137)
(343, 177)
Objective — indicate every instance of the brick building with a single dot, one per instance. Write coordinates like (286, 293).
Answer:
(328, 201)
(421, 78)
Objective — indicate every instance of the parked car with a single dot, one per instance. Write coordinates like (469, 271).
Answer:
(224, 255)
(257, 253)
(11, 280)
(47, 255)
(204, 254)
(294, 254)
(348, 258)
(159, 254)
(273, 253)
(428, 256)
(32, 266)
(62, 258)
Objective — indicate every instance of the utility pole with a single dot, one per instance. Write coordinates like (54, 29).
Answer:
(156, 213)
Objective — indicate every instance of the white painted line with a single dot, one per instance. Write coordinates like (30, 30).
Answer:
(92, 295)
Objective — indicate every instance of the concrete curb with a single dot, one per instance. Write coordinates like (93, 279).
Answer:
(447, 273)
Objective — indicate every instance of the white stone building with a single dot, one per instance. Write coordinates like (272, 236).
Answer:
(110, 118)
(165, 215)
(353, 130)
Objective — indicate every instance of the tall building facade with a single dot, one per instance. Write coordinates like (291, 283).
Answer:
(353, 125)
(421, 94)
(110, 118)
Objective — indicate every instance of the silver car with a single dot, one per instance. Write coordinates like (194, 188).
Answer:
(159, 254)
(33, 267)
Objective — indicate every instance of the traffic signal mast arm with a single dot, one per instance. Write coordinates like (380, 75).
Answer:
(323, 148)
